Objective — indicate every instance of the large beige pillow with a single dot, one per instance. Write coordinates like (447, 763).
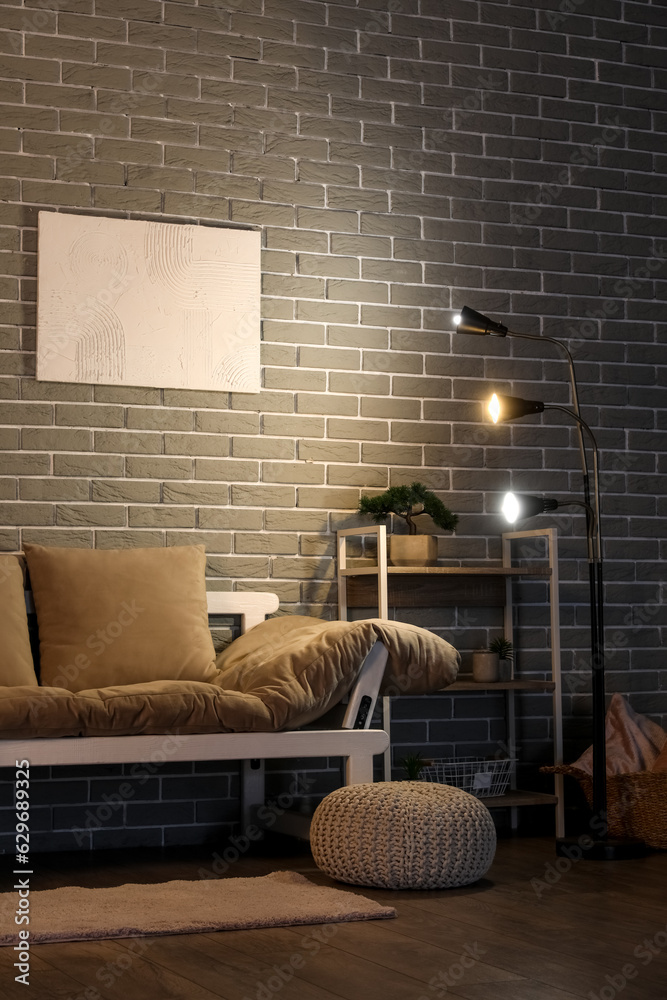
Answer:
(299, 667)
(121, 616)
(16, 666)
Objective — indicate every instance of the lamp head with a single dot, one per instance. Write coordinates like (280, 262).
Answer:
(470, 321)
(517, 506)
(502, 408)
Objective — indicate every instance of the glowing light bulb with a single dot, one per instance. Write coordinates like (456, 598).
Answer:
(511, 508)
(456, 319)
(494, 408)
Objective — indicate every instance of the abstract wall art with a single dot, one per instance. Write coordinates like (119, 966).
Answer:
(125, 302)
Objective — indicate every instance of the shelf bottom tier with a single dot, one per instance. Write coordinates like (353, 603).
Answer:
(515, 797)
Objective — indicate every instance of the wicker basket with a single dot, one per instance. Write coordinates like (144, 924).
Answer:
(478, 775)
(636, 803)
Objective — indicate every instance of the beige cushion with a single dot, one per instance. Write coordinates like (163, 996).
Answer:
(16, 666)
(282, 674)
(300, 667)
(121, 616)
(177, 707)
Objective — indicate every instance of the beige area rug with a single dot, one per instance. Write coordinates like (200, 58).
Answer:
(276, 900)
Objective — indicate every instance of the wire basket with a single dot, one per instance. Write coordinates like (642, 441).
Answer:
(481, 776)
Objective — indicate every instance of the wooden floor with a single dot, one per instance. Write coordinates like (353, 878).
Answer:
(525, 932)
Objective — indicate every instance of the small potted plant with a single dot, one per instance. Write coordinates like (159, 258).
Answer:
(408, 502)
(492, 664)
(413, 764)
(505, 650)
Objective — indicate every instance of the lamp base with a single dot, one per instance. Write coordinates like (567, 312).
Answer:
(600, 850)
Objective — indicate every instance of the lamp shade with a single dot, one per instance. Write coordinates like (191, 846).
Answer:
(503, 408)
(470, 321)
(518, 506)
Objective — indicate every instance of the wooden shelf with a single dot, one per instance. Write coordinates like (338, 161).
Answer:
(366, 584)
(428, 590)
(470, 685)
(481, 571)
(518, 798)
(434, 586)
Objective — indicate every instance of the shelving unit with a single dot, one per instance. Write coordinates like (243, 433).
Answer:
(385, 586)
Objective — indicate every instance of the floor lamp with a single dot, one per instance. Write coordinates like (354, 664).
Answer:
(502, 408)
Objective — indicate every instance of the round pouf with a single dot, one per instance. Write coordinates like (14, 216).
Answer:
(403, 835)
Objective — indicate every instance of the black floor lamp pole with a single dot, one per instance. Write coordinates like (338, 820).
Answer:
(601, 847)
(598, 699)
(596, 602)
(595, 583)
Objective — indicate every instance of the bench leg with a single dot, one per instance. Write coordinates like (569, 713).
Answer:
(358, 769)
(252, 791)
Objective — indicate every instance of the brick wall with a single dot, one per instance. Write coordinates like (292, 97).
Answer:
(401, 159)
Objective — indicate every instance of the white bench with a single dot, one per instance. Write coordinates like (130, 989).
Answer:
(353, 740)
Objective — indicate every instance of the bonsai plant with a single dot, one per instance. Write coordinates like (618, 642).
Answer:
(408, 502)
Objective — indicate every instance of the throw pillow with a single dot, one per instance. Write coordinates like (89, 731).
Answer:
(121, 616)
(16, 666)
(633, 741)
(299, 667)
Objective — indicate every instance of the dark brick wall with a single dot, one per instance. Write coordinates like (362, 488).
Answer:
(401, 159)
(152, 805)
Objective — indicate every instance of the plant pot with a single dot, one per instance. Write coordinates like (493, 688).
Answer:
(504, 670)
(485, 667)
(413, 550)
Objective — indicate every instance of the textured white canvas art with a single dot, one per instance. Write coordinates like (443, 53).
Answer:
(123, 302)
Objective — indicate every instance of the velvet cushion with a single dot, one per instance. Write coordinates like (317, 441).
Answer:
(282, 674)
(176, 707)
(121, 616)
(633, 742)
(16, 666)
(299, 667)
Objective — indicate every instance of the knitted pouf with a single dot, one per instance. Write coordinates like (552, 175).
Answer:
(403, 835)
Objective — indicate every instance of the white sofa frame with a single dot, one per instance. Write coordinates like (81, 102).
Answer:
(354, 741)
